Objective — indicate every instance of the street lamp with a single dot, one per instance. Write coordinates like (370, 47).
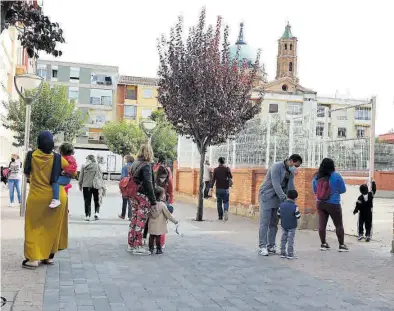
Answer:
(29, 88)
(148, 126)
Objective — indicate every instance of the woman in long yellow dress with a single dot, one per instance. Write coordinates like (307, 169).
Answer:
(46, 229)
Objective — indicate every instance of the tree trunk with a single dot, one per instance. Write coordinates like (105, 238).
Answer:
(200, 207)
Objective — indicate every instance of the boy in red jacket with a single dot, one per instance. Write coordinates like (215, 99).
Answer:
(67, 151)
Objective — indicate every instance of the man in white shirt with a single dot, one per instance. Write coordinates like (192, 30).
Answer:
(207, 179)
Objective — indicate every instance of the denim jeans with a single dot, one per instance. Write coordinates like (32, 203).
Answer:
(12, 185)
(287, 238)
(268, 221)
(222, 198)
(61, 181)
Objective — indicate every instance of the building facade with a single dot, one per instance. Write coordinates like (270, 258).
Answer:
(136, 98)
(93, 87)
(284, 97)
(13, 60)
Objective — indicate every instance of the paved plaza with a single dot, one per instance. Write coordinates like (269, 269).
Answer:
(213, 266)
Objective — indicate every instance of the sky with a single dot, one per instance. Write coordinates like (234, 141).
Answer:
(343, 46)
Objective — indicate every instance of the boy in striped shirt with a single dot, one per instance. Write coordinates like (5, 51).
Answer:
(288, 213)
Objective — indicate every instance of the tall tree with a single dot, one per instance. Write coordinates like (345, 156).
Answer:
(36, 31)
(164, 138)
(123, 138)
(204, 92)
(51, 111)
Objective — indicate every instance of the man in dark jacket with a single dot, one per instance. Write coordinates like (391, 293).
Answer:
(222, 177)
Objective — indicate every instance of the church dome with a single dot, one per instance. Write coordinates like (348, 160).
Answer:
(246, 53)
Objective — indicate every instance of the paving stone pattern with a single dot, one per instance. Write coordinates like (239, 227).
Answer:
(197, 272)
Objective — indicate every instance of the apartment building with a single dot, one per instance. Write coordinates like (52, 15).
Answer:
(93, 87)
(13, 60)
(136, 98)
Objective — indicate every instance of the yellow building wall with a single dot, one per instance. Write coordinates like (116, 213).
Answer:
(143, 103)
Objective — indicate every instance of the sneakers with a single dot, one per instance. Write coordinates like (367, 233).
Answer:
(159, 251)
(163, 246)
(54, 203)
(263, 251)
(272, 250)
(283, 255)
(96, 216)
(141, 251)
(324, 247)
(220, 218)
(87, 218)
(367, 238)
(360, 237)
(343, 248)
(291, 257)
(225, 215)
(120, 216)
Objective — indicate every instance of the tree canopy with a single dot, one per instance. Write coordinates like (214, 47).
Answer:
(51, 111)
(36, 31)
(123, 137)
(205, 93)
(164, 138)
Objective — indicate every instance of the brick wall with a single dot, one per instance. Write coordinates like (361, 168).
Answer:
(384, 180)
(247, 182)
(245, 192)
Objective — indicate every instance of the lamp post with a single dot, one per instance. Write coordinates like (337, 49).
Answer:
(148, 126)
(33, 85)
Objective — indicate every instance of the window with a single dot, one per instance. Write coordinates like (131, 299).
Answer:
(285, 46)
(294, 109)
(146, 113)
(363, 113)
(42, 71)
(321, 111)
(74, 75)
(54, 74)
(290, 66)
(284, 87)
(101, 97)
(361, 132)
(273, 108)
(101, 79)
(100, 119)
(342, 132)
(291, 47)
(131, 92)
(147, 93)
(73, 93)
(320, 129)
(130, 112)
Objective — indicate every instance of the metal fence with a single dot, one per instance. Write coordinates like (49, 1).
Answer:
(346, 135)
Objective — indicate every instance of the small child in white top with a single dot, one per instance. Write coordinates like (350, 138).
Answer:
(158, 221)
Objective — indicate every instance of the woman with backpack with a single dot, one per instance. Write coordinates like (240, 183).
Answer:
(328, 186)
(143, 200)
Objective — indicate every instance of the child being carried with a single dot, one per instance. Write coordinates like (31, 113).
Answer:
(67, 152)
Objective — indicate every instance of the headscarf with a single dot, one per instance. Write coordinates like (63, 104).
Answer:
(45, 142)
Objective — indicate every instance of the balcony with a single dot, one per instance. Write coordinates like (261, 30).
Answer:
(91, 138)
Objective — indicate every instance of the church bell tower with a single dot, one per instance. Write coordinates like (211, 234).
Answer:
(287, 56)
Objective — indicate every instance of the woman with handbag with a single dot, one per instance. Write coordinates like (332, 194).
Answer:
(90, 182)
